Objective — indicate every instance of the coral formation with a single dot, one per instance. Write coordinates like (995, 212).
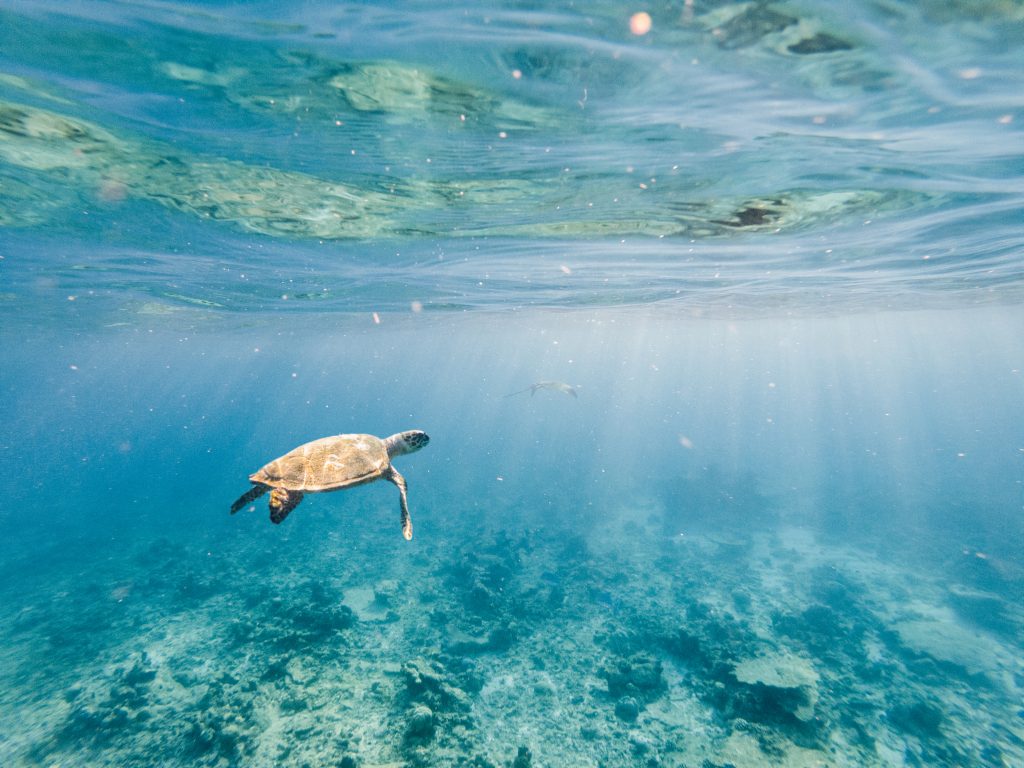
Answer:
(510, 650)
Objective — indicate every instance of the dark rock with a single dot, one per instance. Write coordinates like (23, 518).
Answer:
(421, 676)
(419, 723)
(501, 638)
(480, 599)
(627, 708)
(983, 609)
(319, 620)
(384, 596)
(641, 745)
(210, 735)
(277, 669)
(523, 759)
(638, 676)
(200, 739)
(622, 642)
(430, 684)
(920, 719)
(768, 704)
(139, 673)
(687, 647)
(296, 704)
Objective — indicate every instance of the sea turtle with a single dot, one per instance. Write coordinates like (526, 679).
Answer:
(330, 464)
(554, 386)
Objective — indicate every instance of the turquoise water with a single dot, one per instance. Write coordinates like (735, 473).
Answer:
(763, 261)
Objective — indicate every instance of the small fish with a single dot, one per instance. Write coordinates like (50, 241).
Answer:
(555, 386)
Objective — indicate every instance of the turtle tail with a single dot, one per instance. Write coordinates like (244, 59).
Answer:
(248, 497)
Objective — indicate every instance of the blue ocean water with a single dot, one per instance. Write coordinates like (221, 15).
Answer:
(712, 312)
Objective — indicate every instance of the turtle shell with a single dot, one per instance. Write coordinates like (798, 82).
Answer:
(327, 464)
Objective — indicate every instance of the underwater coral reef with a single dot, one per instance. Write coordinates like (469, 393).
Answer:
(513, 647)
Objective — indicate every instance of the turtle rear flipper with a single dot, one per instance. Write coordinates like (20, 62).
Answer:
(248, 497)
(282, 502)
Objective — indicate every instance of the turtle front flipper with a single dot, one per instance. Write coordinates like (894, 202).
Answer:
(393, 475)
(282, 502)
(249, 496)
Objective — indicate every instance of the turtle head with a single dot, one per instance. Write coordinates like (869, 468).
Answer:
(406, 442)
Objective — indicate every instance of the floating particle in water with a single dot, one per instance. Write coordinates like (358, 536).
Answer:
(640, 23)
(416, 306)
(686, 442)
